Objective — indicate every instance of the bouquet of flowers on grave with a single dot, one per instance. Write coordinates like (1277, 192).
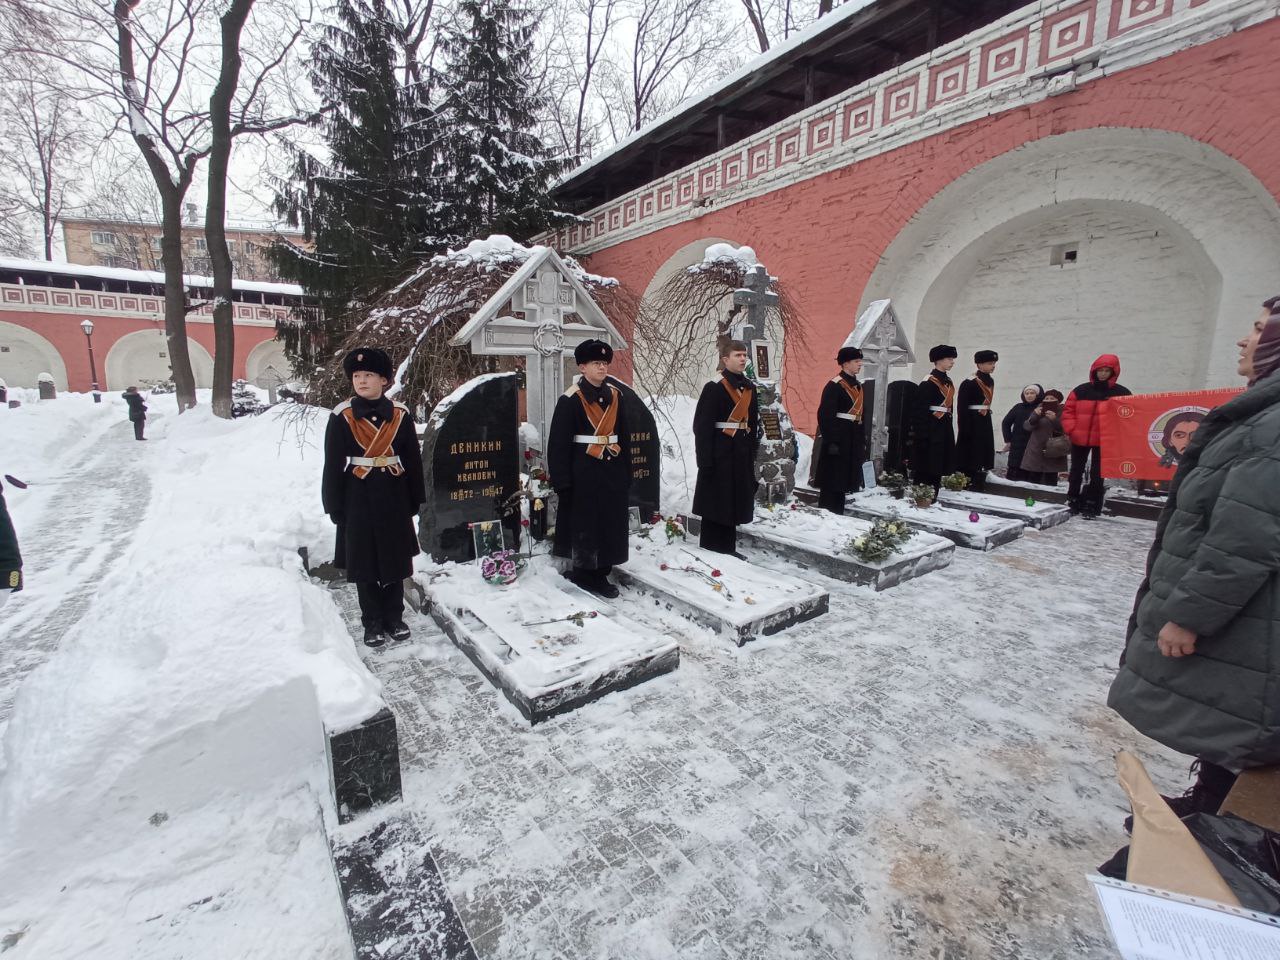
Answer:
(501, 567)
(882, 541)
(671, 526)
(955, 481)
(922, 494)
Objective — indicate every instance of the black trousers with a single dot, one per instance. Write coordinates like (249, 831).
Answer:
(718, 537)
(977, 480)
(1082, 495)
(381, 604)
(137, 429)
(832, 500)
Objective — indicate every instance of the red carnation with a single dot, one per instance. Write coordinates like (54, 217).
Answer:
(715, 573)
(524, 523)
(528, 454)
(663, 566)
(655, 518)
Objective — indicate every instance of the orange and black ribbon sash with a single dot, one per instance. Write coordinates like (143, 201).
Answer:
(988, 394)
(603, 422)
(375, 441)
(948, 391)
(741, 413)
(855, 394)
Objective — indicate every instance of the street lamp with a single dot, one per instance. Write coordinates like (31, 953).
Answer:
(87, 326)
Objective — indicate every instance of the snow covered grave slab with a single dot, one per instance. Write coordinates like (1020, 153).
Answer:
(1021, 489)
(1042, 516)
(722, 593)
(985, 533)
(816, 540)
(547, 645)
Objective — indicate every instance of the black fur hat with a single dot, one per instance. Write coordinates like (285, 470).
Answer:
(369, 359)
(848, 353)
(589, 350)
(942, 351)
(986, 356)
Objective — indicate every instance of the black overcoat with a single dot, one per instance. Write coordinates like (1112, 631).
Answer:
(376, 541)
(844, 443)
(591, 519)
(137, 406)
(10, 558)
(976, 439)
(726, 488)
(1014, 429)
(933, 447)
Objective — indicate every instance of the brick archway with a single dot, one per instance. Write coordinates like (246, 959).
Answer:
(141, 358)
(24, 355)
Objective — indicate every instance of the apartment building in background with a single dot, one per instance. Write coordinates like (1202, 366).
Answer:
(135, 245)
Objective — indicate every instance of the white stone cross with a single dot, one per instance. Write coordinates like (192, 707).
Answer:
(756, 296)
(541, 313)
(884, 344)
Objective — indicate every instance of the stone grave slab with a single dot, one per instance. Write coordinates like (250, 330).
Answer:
(751, 602)
(1021, 489)
(471, 464)
(813, 539)
(1041, 516)
(364, 765)
(544, 668)
(646, 452)
(986, 533)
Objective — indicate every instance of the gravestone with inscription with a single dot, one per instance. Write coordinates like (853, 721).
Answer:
(471, 463)
(646, 452)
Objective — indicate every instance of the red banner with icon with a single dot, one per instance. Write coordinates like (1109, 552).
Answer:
(1144, 436)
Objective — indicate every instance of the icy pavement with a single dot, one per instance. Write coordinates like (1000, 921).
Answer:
(98, 493)
(925, 772)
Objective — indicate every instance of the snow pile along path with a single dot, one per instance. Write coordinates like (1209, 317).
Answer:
(196, 685)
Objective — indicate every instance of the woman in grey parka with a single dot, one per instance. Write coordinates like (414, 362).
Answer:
(1201, 668)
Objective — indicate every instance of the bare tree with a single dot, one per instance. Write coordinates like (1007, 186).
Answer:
(756, 17)
(14, 241)
(46, 135)
(673, 39)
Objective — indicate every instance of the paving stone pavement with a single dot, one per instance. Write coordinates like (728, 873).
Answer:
(925, 772)
(83, 529)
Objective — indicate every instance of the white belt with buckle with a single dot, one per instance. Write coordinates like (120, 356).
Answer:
(595, 441)
(849, 416)
(940, 409)
(981, 406)
(373, 461)
(730, 425)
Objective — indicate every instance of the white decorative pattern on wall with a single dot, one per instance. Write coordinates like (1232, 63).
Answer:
(25, 297)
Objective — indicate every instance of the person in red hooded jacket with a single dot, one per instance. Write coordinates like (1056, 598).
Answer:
(1082, 422)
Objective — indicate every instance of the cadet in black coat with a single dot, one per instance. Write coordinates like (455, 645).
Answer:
(976, 439)
(933, 453)
(592, 480)
(725, 493)
(840, 430)
(137, 411)
(10, 558)
(372, 488)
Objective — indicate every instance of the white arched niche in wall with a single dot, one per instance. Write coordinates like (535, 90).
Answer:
(141, 358)
(702, 367)
(266, 365)
(24, 355)
(1144, 243)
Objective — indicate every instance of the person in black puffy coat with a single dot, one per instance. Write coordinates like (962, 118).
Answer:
(137, 411)
(1013, 429)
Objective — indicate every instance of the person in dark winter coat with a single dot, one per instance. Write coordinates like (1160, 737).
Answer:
(1201, 668)
(933, 453)
(10, 557)
(372, 489)
(976, 438)
(1082, 421)
(841, 433)
(589, 464)
(1014, 428)
(137, 411)
(726, 431)
(1042, 424)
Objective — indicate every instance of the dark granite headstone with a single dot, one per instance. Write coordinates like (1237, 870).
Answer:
(4, 392)
(365, 761)
(898, 413)
(770, 424)
(47, 390)
(646, 452)
(471, 463)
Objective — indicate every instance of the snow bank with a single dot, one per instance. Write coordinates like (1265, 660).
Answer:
(206, 666)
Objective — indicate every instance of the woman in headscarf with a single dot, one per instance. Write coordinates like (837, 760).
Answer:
(1201, 668)
(1013, 429)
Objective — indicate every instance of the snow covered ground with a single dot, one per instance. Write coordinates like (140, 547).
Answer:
(924, 772)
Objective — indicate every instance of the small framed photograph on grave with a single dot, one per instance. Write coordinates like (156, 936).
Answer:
(633, 519)
(762, 359)
(488, 537)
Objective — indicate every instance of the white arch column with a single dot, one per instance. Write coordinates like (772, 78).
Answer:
(142, 358)
(24, 355)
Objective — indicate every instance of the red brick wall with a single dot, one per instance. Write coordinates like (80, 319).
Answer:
(824, 236)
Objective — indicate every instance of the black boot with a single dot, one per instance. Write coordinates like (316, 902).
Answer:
(373, 636)
(399, 630)
(1206, 795)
